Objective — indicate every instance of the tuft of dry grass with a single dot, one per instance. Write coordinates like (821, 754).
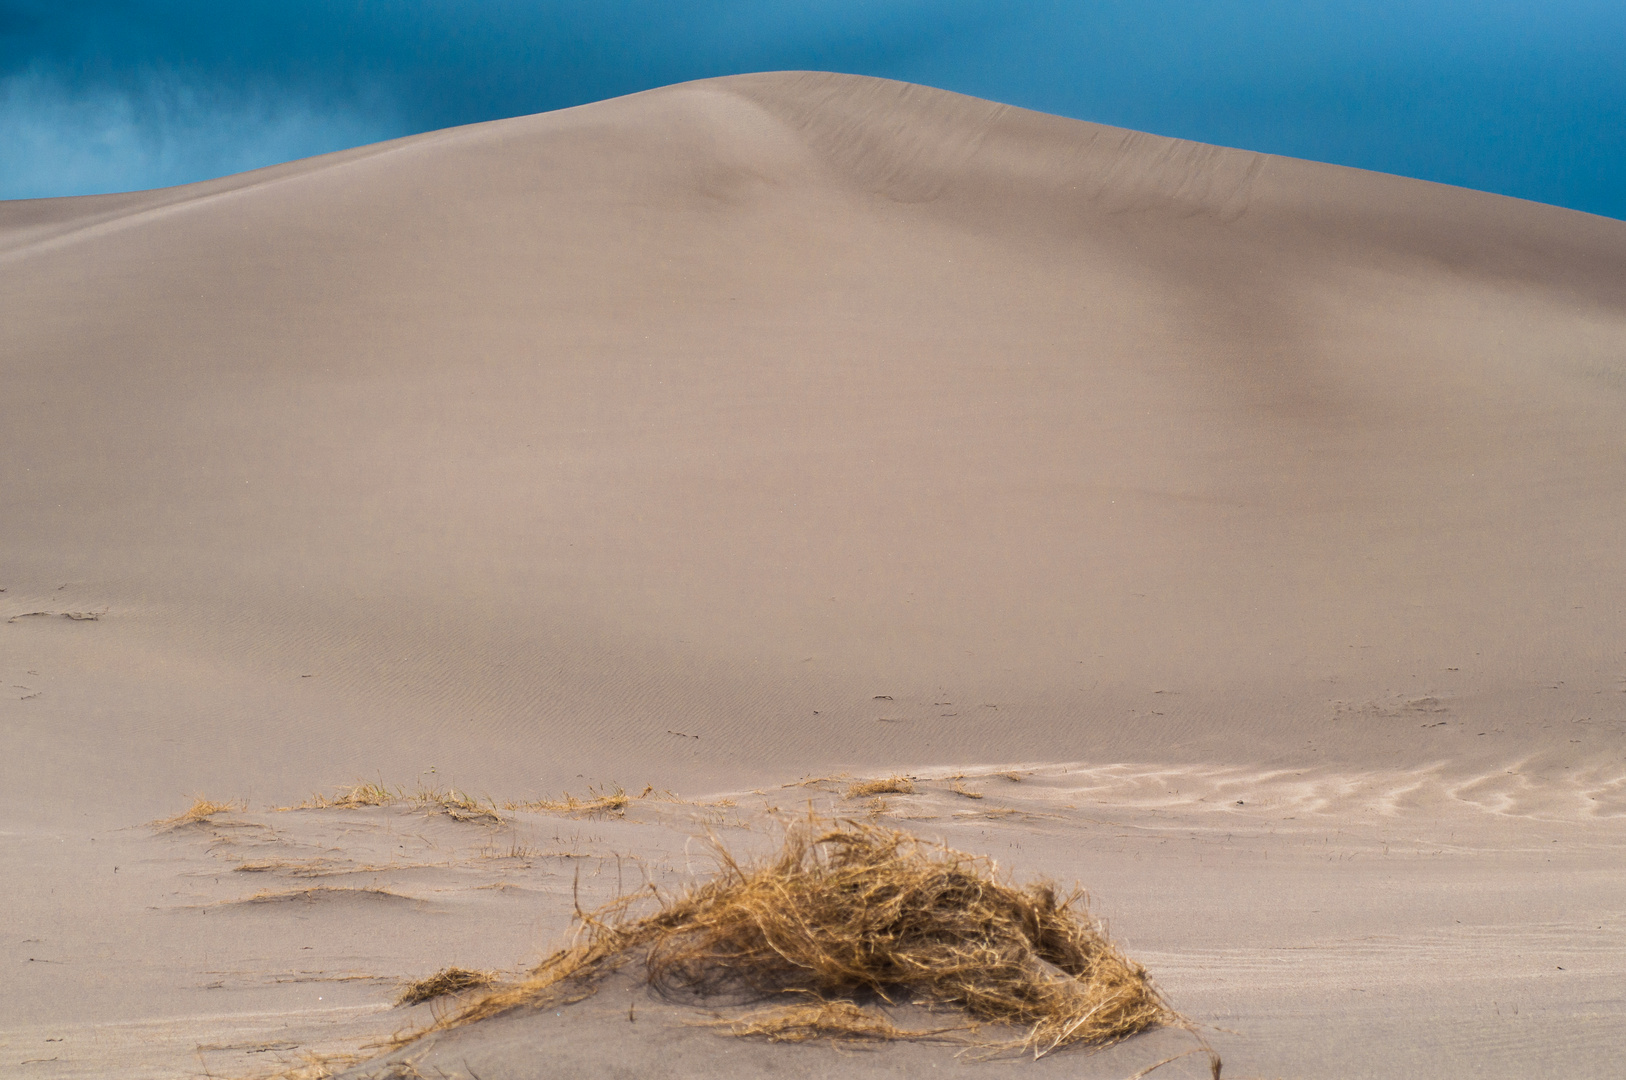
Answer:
(892, 785)
(598, 801)
(202, 810)
(354, 797)
(850, 911)
(452, 980)
(455, 804)
(961, 789)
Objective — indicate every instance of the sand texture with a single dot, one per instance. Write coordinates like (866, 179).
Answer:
(1265, 519)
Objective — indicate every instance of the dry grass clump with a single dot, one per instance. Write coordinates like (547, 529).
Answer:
(354, 797)
(452, 980)
(892, 785)
(457, 805)
(598, 801)
(202, 810)
(849, 912)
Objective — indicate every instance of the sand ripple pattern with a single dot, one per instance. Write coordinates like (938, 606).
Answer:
(1579, 794)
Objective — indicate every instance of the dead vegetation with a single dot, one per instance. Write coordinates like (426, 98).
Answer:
(202, 810)
(816, 781)
(457, 805)
(891, 785)
(353, 797)
(452, 980)
(598, 801)
(827, 1020)
(849, 912)
(291, 867)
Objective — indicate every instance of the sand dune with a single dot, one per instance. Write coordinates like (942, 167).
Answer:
(797, 423)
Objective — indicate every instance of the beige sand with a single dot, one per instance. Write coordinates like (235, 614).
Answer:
(791, 424)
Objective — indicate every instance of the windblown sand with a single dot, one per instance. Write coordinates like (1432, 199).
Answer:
(1246, 532)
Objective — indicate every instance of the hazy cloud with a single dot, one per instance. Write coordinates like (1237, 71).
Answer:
(161, 130)
(97, 95)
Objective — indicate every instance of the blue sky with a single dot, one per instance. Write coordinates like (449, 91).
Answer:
(1521, 97)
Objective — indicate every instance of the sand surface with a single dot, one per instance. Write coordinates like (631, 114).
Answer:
(1265, 518)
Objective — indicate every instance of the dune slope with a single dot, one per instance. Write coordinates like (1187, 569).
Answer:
(767, 408)
(798, 423)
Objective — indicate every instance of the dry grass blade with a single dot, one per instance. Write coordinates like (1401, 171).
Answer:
(850, 911)
(892, 785)
(815, 781)
(1214, 1063)
(452, 980)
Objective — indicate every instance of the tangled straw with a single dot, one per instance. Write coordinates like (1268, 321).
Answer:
(849, 911)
